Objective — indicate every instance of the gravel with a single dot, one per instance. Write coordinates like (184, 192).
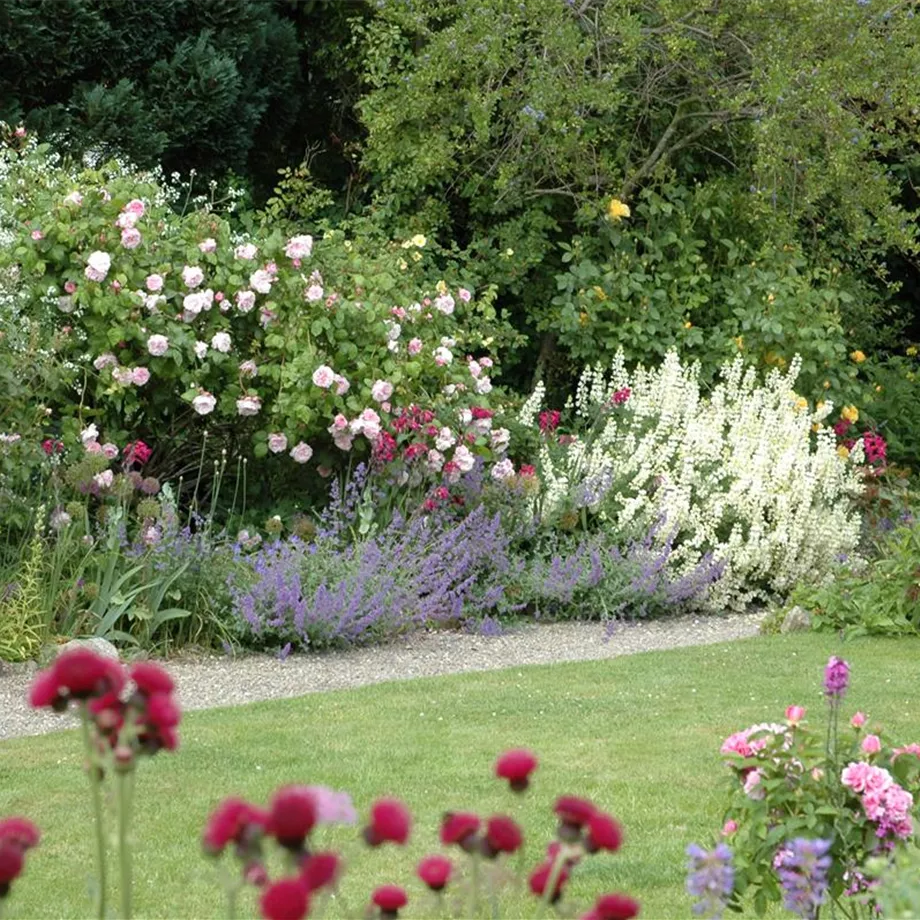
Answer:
(220, 680)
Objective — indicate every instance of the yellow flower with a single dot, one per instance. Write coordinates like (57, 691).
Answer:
(850, 413)
(600, 292)
(771, 297)
(617, 210)
(583, 318)
(816, 427)
(509, 252)
(912, 350)
(878, 388)
(739, 341)
(441, 287)
(688, 325)
(857, 356)
(801, 403)
(827, 384)
(843, 452)
(819, 404)
(416, 256)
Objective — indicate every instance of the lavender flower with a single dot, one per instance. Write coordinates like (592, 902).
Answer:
(802, 872)
(711, 879)
(836, 678)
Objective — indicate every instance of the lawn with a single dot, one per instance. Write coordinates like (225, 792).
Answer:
(639, 735)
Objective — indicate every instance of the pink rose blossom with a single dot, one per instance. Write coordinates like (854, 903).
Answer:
(301, 452)
(20, 132)
(314, 292)
(752, 787)
(261, 281)
(158, 345)
(140, 376)
(93, 447)
(130, 239)
(277, 442)
(503, 471)
(201, 349)
(74, 198)
(135, 206)
(299, 247)
(484, 386)
(248, 405)
(154, 283)
(37, 235)
(221, 342)
(324, 376)
(729, 828)
(208, 245)
(464, 295)
(109, 450)
(381, 391)
(104, 361)
(245, 252)
(104, 479)
(415, 346)
(435, 461)
(858, 720)
(339, 423)
(442, 356)
(204, 403)
(795, 714)
(343, 441)
(485, 362)
(341, 385)
(70, 286)
(192, 276)
(219, 296)
(464, 458)
(272, 269)
(126, 221)
(249, 368)
(97, 266)
(445, 304)
(871, 744)
(245, 301)
(475, 368)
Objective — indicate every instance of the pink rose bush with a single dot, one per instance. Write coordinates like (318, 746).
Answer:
(847, 792)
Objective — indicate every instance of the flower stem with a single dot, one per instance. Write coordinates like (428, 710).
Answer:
(552, 881)
(474, 886)
(95, 783)
(125, 783)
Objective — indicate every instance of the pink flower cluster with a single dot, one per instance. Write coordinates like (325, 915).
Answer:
(747, 744)
(883, 800)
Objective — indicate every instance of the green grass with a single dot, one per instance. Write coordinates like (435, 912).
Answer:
(639, 735)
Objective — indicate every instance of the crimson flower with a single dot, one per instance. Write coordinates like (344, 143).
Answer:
(390, 821)
(539, 880)
(19, 832)
(150, 678)
(603, 833)
(389, 898)
(291, 816)
(502, 836)
(574, 814)
(516, 767)
(459, 827)
(319, 870)
(233, 821)
(78, 674)
(286, 899)
(435, 871)
(613, 907)
(137, 452)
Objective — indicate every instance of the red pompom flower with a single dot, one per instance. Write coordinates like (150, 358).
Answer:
(603, 833)
(390, 898)
(460, 827)
(540, 879)
(516, 767)
(502, 836)
(390, 821)
(286, 899)
(233, 821)
(291, 816)
(435, 872)
(613, 907)
(320, 870)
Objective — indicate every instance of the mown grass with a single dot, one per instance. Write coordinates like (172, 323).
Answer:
(639, 735)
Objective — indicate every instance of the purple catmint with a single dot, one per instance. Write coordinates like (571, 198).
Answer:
(802, 871)
(710, 879)
(836, 678)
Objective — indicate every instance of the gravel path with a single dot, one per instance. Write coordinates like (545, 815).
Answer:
(217, 680)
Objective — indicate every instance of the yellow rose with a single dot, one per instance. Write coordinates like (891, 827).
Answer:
(857, 356)
(850, 413)
(617, 210)
(688, 325)
(843, 452)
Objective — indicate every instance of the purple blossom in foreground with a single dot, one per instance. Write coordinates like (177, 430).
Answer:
(836, 678)
(802, 872)
(710, 879)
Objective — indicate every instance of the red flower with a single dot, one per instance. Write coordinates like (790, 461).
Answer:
(390, 821)
(527, 471)
(603, 833)
(621, 396)
(478, 412)
(459, 827)
(19, 832)
(11, 863)
(319, 870)
(162, 711)
(291, 816)
(233, 821)
(390, 898)
(516, 767)
(150, 678)
(549, 420)
(79, 674)
(286, 899)
(137, 452)
(44, 691)
(502, 836)
(613, 907)
(539, 880)
(574, 811)
(435, 871)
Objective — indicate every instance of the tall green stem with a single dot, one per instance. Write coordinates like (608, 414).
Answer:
(125, 784)
(95, 785)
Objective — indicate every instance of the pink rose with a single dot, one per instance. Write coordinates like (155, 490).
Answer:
(135, 206)
(192, 276)
(248, 405)
(464, 295)
(204, 403)
(729, 828)
(795, 714)
(158, 345)
(261, 281)
(301, 452)
(871, 744)
(341, 385)
(126, 221)
(858, 720)
(109, 450)
(324, 376)
(140, 376)
(70, 287)
(299, 247)
(277, 442)
(339, 423)
(37, 235)
(97, 266)
(381, 391)
(314, 292)
(208, 245)
(154, 283)
(245, 301)
(752, 786)
(415, 346)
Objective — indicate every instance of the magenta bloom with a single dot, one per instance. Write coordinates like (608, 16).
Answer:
(516, 767)
(836, 678)
(435, 872)
(390, 821)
